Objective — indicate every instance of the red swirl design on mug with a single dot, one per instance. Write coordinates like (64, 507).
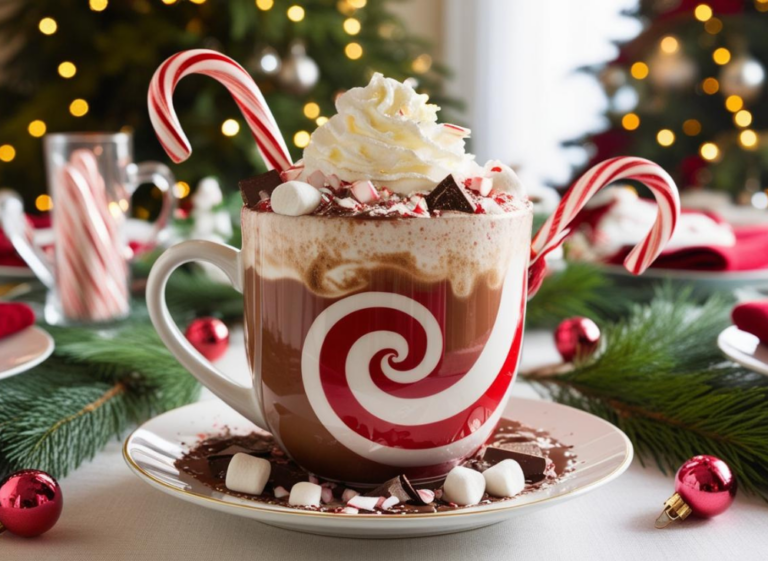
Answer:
(378, 378)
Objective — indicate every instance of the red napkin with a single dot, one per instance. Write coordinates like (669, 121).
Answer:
(752, 317)
(749, 253)
(14, 317)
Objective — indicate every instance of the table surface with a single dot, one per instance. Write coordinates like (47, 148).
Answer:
(110, 514)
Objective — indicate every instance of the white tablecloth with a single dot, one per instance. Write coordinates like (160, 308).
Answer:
(110, 515)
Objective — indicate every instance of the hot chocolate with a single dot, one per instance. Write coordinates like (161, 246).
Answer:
(385, 279)
(382, 344)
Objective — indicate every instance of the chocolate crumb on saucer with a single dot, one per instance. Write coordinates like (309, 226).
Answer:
(529, 456)
(206, 464)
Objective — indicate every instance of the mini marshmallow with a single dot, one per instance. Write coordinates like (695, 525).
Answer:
(504, 178)
(505, 479)
(364, 503)
(464, 486)
(295, 198)
(281, 492)
(247, 474)
(482, 185)
(389, 503)
(305, 494)
(326, 495)
(349, 510)
(347, 495)
(364, 191)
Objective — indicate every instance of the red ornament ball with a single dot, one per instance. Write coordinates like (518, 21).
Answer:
(577, 337)
(209, 336)
(30, 503)
(706, 484)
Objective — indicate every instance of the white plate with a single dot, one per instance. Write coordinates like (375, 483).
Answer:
(602, 450)
(744, 348)
(713, 280)
(24, 350)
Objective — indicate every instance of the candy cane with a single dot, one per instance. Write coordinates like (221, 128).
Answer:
(555, 229)
(239, 83)
(92, 276)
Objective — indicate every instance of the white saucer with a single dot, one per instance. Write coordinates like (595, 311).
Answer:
(603, 453)
(24, 350)
(744, 348)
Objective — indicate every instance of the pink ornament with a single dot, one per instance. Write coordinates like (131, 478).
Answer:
(209, 336)
(30, 503)
(577, 337)
(704, 487)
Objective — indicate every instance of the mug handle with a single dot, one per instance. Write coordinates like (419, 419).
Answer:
(14, 225)
(243, 399)
(162, 177)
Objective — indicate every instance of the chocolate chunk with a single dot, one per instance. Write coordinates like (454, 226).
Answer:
(251, 188)
(448, 195)
(398, 487)
(529, 457)
(258, 449)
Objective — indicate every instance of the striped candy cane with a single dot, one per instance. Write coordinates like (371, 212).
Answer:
(239, 83)
(92, 273)
(555, 229)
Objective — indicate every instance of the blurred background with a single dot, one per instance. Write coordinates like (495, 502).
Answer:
(545, 86)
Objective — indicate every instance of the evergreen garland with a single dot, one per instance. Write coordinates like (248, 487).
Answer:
(662, 380)
(97, 384)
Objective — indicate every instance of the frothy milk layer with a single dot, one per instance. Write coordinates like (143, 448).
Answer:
(334, 257)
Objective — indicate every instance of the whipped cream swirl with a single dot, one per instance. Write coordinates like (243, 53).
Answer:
(389, 134)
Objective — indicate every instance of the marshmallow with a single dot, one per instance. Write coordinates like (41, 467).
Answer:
(505, 479)
(504, 179)
(347, 495)
(349, 510)
(281, 492)
(364, 503)
(364, 191)
(247, 474)
(305, 494)
(482, 185)
(389, 503)
(326, 495)
(464, 486)
(295, 198)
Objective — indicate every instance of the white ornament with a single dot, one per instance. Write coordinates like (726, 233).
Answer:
(505, 479)
(464, 486)
(295, 198)
(247, 474)
(743, 76)
(299, 72)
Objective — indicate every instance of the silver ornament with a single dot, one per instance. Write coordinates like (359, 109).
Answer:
(268, 61)
(299, 73)
(743, 76)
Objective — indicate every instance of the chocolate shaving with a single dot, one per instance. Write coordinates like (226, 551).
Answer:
(529, 457)
(448, 195)
(252, 187)
(398, 487)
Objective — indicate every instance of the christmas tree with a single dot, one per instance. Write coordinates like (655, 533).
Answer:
(80, 65)
(688, 93)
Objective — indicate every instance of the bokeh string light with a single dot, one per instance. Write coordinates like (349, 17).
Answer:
(301, 139)
(78, 108)
(7, 153)
(352, 26)
(67, 69)
(630, 121)
(230, 127)
(265, 5)
(353, 51)
(44, 203)
(37, 128)
(665, 137)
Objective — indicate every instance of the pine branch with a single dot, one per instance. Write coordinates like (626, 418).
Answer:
(578, 290)
(662, 380)
(97, 384)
